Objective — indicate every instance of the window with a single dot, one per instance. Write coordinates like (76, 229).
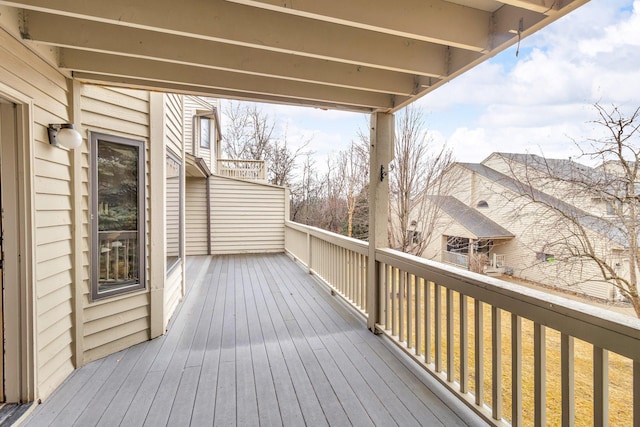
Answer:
(544, 257)
(482, 204)
(414, 236)
(173, 224)
(117, 215)
(205, 132)
(457, 244)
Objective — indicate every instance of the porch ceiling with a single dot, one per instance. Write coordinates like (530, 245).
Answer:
(359, 55)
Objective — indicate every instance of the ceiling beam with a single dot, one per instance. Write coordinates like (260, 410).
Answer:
(547, 7)
(101, 37)
(436, 21)
(141, 84)
(100, 63)
(219, 20)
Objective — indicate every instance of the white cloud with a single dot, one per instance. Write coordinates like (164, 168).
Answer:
(539, 102)
(543, 100)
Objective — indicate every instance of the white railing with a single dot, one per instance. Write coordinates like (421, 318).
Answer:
(337, 260)
(118, 260)
(254, 170)
(456, 258)
(513, 354)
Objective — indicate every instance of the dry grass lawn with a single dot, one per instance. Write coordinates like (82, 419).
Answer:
(620, 368)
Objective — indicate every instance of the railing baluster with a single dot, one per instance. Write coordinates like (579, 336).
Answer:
(387, 297)
(349, 284)
(394, 298)
(382, 289)
(464, 343)
(410, 307)
(418, 299)
(540, 375)
(402, 293)
(600, 387)
(496, 362)
(479, 349)
(450, 343)
(427, 321)
(364, 281)
(636, 393)
(516, 371)
(567, 376)
(438, 326)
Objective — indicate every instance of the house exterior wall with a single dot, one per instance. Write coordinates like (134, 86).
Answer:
(246, 217)
(113, 324)
(192, 106)
(197, 234)
(23, 71)
(174, 207)
(533, 225)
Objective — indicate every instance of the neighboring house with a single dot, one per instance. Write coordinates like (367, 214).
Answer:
(486, 219)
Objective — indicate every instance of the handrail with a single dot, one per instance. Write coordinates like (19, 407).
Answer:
(243, 169)
(586, 322)
(435, 313)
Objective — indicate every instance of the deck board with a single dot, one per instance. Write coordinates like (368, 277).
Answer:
(256, 341)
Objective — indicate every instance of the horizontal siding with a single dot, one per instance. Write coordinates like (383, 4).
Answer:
(172, 291)
(196, 217)
(191, 105)
(172, 218)
(173, 123)
(28, 74)
(246, 217)
(119, 322)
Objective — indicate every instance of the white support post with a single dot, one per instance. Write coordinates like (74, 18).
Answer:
(380, 155)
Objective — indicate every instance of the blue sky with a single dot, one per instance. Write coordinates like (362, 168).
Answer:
(539, 102)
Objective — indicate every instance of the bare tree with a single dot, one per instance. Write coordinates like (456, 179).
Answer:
(306, 194)
(248, 131)
(353, 164)
(415, 175)
(252, 134)
(595, 210)
(282, 160)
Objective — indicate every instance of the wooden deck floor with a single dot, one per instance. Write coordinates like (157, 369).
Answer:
(256, 341)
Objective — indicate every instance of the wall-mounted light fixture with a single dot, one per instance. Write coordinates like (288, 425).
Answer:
(64, 135)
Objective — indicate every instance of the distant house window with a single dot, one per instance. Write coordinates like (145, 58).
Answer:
(117, 215)
(414, 237)
(544, 257)
(205, 132)
(457, 244)
(483, 204)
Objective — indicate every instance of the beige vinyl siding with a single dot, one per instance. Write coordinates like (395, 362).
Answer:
(246, 217)
(173, 216)
(193, 105)
(196, 217)
(27, 73)
(533, 226)
(173, 124)
(173, 137)
(115, 323)
(173, 290)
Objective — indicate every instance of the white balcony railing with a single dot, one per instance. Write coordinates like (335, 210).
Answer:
(507, 351)
(253, 170)
(456, 258)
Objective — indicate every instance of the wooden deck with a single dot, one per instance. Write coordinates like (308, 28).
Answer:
(256, 341)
